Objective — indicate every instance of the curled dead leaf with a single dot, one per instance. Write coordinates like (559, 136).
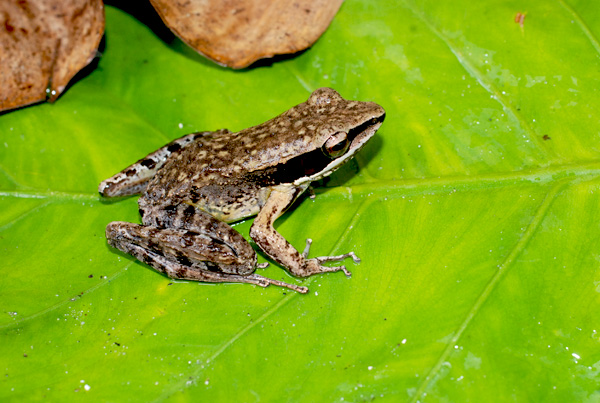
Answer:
(43, 44)
(236, 33)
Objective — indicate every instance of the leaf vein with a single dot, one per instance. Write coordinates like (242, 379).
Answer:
(481, 79)
(591, 37)
(66, 301)
(41, 194)
(23, 215)
(503, 268)
(387, 188)
(299, 78)
(9, 176)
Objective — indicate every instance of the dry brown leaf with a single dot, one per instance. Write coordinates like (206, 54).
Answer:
(43, 44)
(236, 33)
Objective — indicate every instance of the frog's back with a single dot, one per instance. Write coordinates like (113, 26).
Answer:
(209, 174)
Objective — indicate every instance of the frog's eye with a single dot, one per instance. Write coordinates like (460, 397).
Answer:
(336, 145)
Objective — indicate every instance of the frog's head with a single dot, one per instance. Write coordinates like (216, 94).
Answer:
(340, 128)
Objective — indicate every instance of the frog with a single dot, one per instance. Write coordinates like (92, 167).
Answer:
(194, 187)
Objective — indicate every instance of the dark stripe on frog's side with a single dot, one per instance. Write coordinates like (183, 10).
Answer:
(288, 172)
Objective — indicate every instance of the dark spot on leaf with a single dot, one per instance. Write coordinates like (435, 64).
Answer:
(546, 137)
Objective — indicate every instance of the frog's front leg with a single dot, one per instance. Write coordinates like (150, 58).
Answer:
(278, 248)
(185, 254)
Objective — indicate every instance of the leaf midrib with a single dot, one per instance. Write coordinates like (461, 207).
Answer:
(431, 185)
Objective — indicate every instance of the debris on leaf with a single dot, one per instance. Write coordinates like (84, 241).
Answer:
(520, 18)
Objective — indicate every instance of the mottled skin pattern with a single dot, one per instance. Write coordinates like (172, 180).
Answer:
(196, 184)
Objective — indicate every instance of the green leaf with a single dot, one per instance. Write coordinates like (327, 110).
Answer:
(474, 210)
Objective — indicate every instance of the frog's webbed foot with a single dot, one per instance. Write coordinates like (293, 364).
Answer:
(336, 258)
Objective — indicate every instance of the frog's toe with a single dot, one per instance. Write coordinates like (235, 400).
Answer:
(329, 269)
(346, 271)
(335, 258)
(265, 282)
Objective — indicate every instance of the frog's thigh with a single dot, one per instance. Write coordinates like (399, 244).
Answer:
(187, 217)
(178, 271)
(129, 237)
(180, 248)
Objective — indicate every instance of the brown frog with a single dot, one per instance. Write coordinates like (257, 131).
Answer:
(194, 185)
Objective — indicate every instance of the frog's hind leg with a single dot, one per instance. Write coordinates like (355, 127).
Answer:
(178, 271)
(134, 179)
(163, 250)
